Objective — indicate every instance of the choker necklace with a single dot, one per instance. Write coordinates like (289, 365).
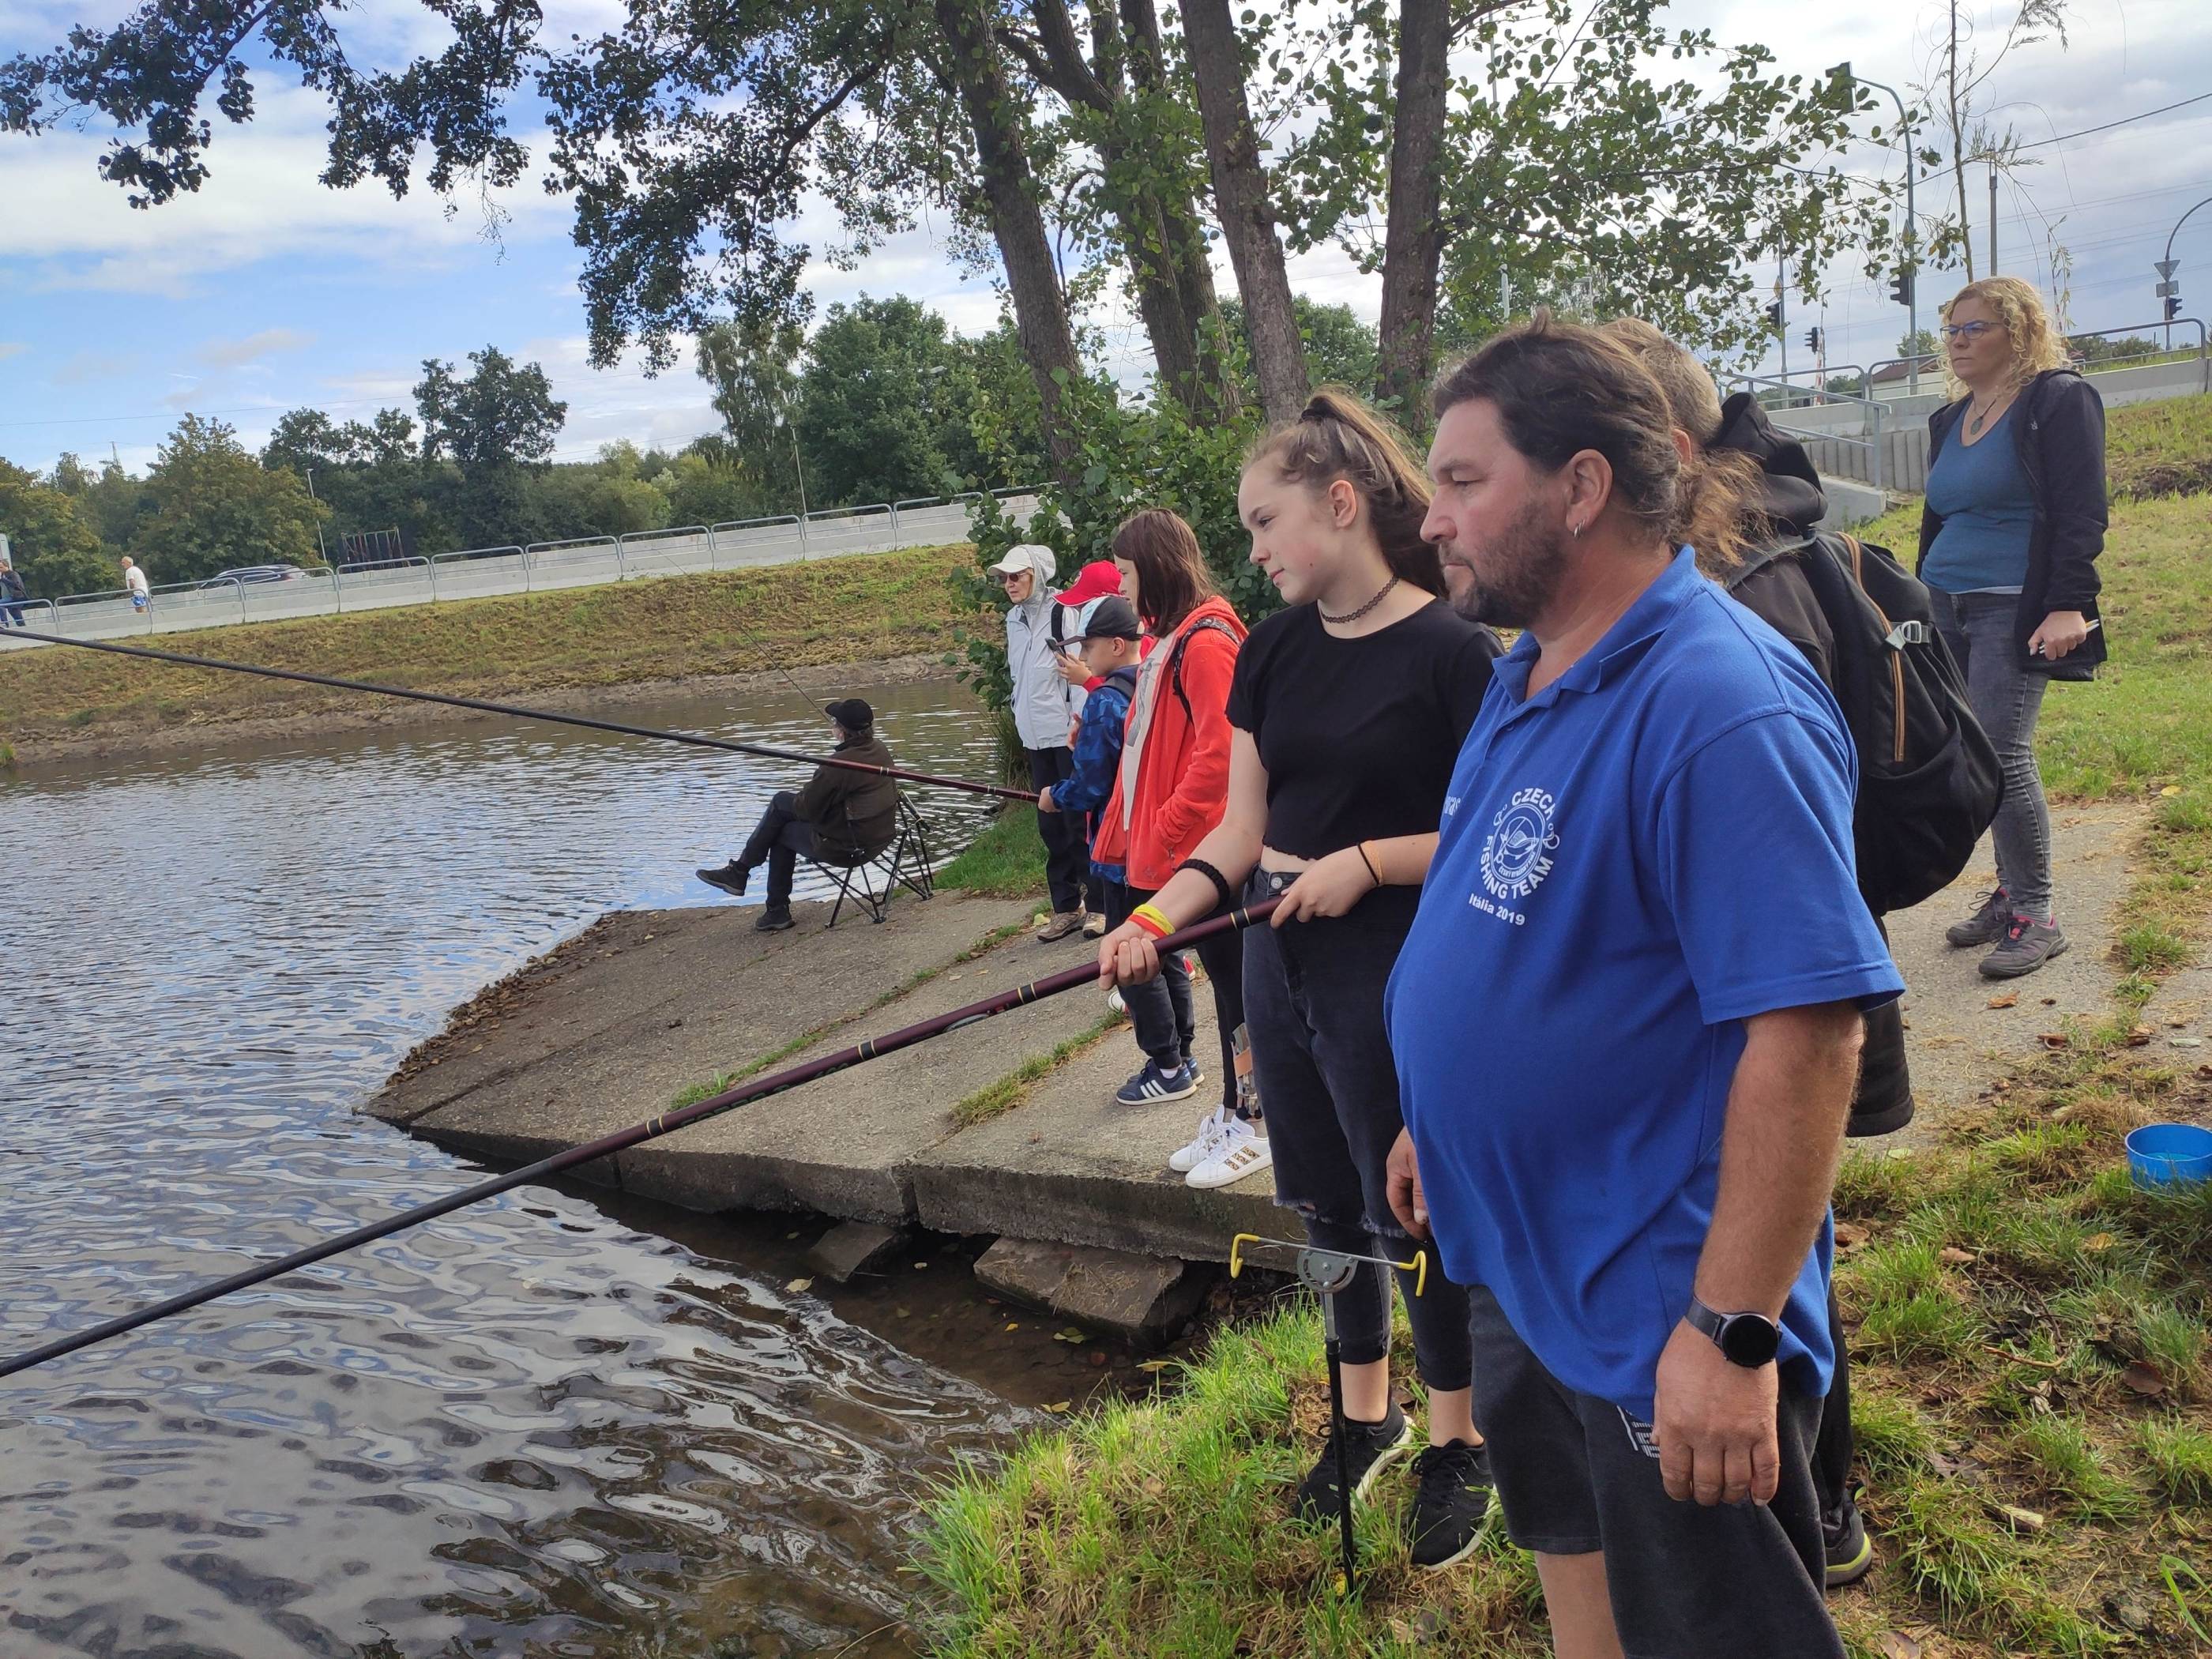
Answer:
(1354, 615)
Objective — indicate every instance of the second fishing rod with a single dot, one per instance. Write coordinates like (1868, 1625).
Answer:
(517, 711)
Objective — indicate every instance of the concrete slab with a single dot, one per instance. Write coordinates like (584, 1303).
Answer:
(1143, 1299)
(607, 1030)
(845, 1144)
(1073, 1166)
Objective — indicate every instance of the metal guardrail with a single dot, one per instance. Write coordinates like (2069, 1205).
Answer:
(483, 571)
(1871, 442)
(1933, 364)
(20, 613)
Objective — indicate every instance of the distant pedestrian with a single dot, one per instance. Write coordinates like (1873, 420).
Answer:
(2009, 536)
(843, 816)
(1096, 580)
(1626, 1061)
(12, 593)
(134, 583)
(1045, 705)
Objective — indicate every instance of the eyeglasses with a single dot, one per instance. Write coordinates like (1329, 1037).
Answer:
(1008, 578)
(1972, 331)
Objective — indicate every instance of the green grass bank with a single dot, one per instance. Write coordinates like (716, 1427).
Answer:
(862, 608)
(2033, 1381)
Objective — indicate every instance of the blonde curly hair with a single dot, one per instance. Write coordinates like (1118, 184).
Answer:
(2036, 344)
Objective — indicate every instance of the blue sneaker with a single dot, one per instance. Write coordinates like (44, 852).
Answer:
(1154, 1085)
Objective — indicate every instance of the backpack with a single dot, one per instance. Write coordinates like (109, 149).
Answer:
(1205, 624)
(1928, 778)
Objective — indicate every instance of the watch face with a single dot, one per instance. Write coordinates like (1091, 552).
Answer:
(1748, 1339)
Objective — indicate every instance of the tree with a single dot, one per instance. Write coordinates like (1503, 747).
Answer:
(504, 413)
(1335, 348)
(214, 506)
(882, 406)
(753, 365)
(1956, 80)
(1921, 342)
(50, 545)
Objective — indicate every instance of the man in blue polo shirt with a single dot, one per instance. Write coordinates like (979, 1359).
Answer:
(1626, 1023)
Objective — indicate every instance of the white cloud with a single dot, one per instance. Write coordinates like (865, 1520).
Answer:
(238, 354)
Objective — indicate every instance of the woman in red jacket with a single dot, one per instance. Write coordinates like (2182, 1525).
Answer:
(1173, 782)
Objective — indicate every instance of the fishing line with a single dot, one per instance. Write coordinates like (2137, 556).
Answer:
(518, 712)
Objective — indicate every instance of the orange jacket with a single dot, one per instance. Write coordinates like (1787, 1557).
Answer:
(1180, 769)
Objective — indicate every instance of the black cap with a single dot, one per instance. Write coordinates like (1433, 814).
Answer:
(1108, 618)
(852, 713)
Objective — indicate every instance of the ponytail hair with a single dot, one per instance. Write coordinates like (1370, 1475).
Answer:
(1338, 435)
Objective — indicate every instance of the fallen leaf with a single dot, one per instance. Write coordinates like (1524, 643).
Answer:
(2097, 1242)
(1013, 1324)
(799, 1285)
(1895, 1645)
(2009, 999)
(2142, 1377)
(2050, 1002)
(2023, 1520)
(1848, 1236)
(1057, 1406)
(1070, 1334)
(1951, 1256)
(2051, 1039)
(2169, 793)
(2138, 1035)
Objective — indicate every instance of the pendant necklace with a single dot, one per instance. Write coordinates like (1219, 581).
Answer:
(1354, 615)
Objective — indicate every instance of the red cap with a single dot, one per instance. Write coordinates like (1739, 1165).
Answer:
(1094, 582)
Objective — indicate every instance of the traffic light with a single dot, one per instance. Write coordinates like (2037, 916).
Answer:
(1900, 286)
(1815, 338)
(2172, 307)
(1774, 316)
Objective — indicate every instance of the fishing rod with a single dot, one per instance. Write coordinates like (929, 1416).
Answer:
(651, 1129)
(518, 712)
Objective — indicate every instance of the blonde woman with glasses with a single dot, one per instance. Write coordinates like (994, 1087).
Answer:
(2009, 543)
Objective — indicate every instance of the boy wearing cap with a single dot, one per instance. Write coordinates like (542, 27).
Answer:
(843, 816)
(1106, 636)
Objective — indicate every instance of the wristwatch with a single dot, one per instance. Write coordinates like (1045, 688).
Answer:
(1748, 1339)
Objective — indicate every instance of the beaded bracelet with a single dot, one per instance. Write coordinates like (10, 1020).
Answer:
(1153, 919)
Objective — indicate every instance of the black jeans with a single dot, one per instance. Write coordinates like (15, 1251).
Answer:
(1160, 1011)
(1065, 835)
(1313, 996)
(780, 838)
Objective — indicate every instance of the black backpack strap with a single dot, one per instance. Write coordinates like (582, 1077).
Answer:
(1751, 562)
(1205, 624)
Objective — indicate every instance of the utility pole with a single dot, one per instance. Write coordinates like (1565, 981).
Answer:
(319, 547)
(1911, 294)
(1782, 313)
(1993, 215)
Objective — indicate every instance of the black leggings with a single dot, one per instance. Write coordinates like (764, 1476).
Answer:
(1313, 996)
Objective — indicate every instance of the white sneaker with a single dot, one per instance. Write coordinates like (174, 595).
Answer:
(1114, 1002)
(1199, 1147)
(1242, 1150)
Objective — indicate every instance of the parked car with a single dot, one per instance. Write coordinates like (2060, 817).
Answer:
(250, 574)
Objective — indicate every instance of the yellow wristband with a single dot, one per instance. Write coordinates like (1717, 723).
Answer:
(1152, 920)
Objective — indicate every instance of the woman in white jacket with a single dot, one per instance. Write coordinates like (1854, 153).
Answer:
(1045, 707)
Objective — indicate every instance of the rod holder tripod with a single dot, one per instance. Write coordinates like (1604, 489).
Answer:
(1326, 1272)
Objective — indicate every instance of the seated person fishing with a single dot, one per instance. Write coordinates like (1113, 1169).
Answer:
(843, 816)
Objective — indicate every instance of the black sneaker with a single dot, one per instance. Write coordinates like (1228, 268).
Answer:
(1850, 1552)
(1985, 926)
(1452, 1505)
(1369, 1448)
(777, 919)
(731, 878)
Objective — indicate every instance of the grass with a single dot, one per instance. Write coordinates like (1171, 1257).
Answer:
(1005, 861)
(1011, 1090)
(2029, 1329)
(863, 608)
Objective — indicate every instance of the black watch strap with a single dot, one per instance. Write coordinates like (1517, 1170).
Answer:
(1749, 1339)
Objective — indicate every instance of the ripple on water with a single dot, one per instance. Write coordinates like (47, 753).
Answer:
(522, 1429)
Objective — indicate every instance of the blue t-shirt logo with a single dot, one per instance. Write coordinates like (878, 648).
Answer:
(1516, 857)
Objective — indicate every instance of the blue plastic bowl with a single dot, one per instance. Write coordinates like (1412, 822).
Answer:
(2163, 1153)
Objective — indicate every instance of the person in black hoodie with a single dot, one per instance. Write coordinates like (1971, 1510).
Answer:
(2009, 536)
(1758, 564)
(843, 816)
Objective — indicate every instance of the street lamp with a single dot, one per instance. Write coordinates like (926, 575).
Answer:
(1842, 72)
(324, 551)
(2170, 291)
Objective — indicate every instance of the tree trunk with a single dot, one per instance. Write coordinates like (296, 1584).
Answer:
(1412, 239)
(1040, 308)
(1248, 218)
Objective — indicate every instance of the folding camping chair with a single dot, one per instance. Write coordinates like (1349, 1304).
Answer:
(870, 882)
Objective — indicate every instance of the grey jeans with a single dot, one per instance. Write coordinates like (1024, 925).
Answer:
(1979, 628)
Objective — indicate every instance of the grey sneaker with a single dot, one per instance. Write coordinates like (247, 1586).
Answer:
(1063, 923)
(1985, 926)
(2028, 944)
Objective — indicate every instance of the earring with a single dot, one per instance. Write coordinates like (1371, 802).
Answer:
(1575, 530)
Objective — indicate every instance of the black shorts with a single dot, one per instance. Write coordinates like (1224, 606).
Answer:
(1687, 1581)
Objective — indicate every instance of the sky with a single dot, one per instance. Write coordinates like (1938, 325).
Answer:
(265, 292)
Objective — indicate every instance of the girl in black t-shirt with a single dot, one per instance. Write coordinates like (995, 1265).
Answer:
(1348, 709)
